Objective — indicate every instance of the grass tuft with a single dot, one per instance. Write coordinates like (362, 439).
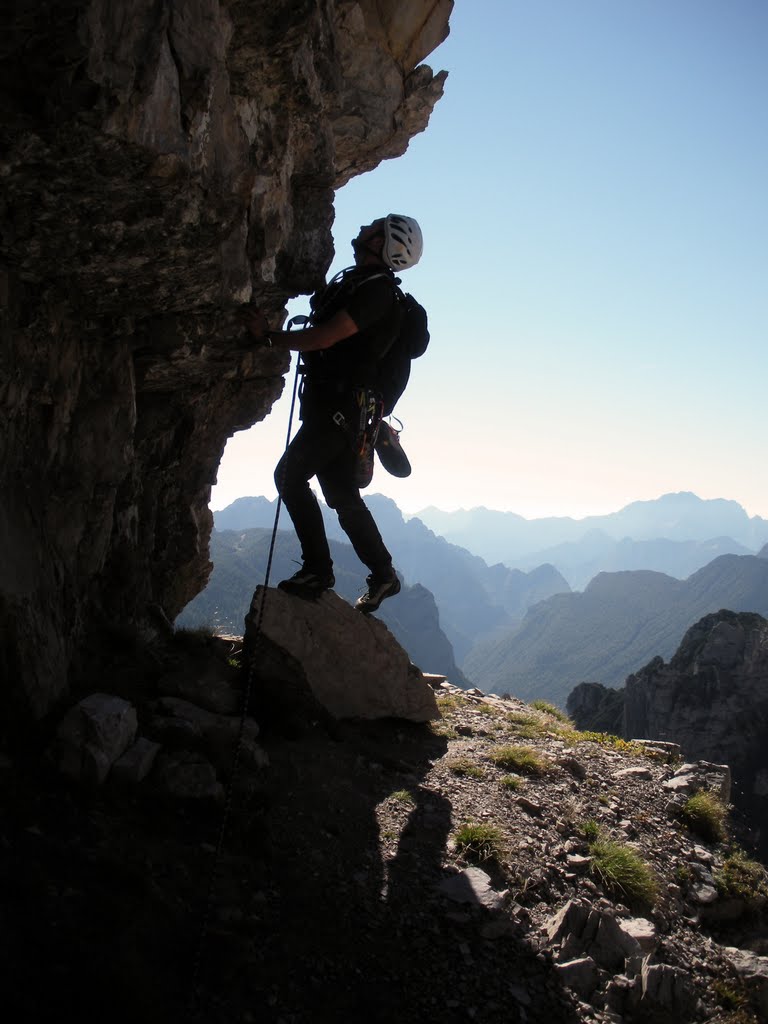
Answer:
(480, 842)
(706, 815)
(199, 634)
(513, 782)
(528, 726)
(729, 996)
(553, 710)
(524, 760)
(590, 829)
(623, 871)
(451, 702)
(402, 796)
(464, 766)
(605, 739)
(443, 729)
(683, 875)
(733, 996)
(743, 879)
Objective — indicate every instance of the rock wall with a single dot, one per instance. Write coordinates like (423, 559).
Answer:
(597, 707)
(162, 163)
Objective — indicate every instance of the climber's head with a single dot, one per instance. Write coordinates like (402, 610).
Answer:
(394, 240)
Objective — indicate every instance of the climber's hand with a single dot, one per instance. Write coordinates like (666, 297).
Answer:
(255, 321)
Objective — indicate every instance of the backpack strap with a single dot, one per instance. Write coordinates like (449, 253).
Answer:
(346, 283)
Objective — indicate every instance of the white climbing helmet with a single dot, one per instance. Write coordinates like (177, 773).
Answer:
(403, 243)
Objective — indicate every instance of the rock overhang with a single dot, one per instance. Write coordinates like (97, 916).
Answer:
(158, 171)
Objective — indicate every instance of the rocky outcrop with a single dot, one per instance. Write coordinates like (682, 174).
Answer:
(312, 658)
(712, 699)
(597, 707)
(188, 725)
(176, 734)
(161, 165)
(414, 620)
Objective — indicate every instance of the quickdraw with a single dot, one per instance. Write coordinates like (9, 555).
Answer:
(371, 410)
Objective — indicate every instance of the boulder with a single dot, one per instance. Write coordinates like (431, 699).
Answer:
(581, 975)
(136, 763)
(690, 779)
(472, 886)
(186, 775)
(753, 970)
(664, 989)
(638, 772)
(93, 735)
(211, 688)
(219, 736)
(324, 657)
(581, 929)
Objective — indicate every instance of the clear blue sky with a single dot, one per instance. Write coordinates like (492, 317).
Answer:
(592, 191)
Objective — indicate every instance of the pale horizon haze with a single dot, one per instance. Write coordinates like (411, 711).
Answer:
(592, 192)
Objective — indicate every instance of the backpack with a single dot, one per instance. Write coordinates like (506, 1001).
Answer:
(395, 365)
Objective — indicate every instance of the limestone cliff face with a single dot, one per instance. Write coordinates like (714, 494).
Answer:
(597, 707)
(712, 699)
(162, 163)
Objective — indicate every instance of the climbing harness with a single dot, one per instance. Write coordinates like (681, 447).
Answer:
(370, 408)
(194, 1007)
(363, 434)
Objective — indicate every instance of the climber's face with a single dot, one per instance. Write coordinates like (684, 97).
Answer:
(369, 242)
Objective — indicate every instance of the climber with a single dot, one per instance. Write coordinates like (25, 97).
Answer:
(354, 320)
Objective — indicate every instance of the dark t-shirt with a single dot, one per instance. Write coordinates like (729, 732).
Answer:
(370, 298)
(371, 302)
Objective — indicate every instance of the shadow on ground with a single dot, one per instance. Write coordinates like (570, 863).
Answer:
(350, 923)
(313, 914)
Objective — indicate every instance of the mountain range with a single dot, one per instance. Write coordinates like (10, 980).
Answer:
(677, 534)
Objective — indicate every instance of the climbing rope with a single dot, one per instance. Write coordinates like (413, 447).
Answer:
(194, 1006)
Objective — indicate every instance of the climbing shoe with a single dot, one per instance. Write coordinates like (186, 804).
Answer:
(307, 584)
(378, 589)
(390, 451)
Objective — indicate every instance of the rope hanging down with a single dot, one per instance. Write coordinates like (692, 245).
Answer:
(194, 1007)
